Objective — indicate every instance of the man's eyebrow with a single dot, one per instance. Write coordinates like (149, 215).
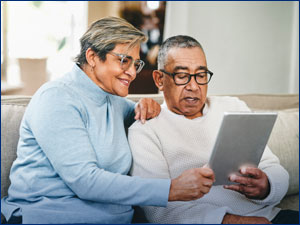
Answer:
(186, 68)
(180, 68)
(202, 68)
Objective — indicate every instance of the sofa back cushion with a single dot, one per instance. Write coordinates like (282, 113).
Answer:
(284, 143)
(12, 110)
(270, 102)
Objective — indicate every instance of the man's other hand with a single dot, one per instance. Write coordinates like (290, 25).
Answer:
(235, 219)
(254, 183)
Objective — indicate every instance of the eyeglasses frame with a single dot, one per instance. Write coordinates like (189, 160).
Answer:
(123, 56)
(190, 76)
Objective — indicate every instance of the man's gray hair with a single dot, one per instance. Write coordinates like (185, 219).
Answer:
(104, 34)
(179, 41)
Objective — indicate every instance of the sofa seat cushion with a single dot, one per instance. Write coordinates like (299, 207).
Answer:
(290, 202)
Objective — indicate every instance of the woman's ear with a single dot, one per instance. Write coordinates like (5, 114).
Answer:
(158, 79)
(90, 57)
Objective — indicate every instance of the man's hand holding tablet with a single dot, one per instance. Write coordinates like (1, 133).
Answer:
(253, 183)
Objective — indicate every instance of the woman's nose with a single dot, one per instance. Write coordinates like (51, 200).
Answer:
(131, 71)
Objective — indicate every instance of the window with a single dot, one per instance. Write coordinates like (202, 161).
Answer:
(48, 30)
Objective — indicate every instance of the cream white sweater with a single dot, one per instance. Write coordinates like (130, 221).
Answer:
(169, 144)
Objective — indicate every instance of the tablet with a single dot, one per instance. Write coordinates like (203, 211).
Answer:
(241, 141)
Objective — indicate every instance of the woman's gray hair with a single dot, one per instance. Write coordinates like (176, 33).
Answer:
(179, 41)
(104, 34)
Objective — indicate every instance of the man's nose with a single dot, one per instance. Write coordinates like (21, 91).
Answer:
(192, 85)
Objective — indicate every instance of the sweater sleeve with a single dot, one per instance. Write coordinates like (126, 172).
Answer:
(278, 178)
(61, 116)
(149, 161)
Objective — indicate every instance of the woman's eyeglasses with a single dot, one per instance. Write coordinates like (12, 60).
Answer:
(126, 62)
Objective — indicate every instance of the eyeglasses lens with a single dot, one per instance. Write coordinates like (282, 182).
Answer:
(184, 78)
(125, 62)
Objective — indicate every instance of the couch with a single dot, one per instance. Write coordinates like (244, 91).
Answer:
(284, 139)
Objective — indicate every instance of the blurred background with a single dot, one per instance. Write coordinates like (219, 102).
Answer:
(252, 47)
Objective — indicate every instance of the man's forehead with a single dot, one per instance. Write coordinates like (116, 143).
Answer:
(184, 57)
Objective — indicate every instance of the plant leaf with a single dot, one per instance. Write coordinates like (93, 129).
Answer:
(62, 43)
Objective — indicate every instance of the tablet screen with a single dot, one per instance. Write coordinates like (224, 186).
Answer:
(241, 141)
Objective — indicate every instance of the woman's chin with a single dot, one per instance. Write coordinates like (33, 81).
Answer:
(122, 93)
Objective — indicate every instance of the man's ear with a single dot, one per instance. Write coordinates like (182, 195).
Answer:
(158, 79)
(90, 57)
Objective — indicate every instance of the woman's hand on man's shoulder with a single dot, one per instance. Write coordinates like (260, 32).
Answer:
(146, 109)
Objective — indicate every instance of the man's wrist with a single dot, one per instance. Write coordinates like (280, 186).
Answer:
(172, 193)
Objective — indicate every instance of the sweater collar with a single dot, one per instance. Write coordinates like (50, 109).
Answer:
(87, 87)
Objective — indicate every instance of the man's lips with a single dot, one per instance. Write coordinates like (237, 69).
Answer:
(191, 100)
(126, 82)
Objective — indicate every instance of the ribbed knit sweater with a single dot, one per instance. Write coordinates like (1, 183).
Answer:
(169, 144)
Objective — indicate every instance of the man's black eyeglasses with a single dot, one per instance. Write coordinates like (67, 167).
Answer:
(182, 78)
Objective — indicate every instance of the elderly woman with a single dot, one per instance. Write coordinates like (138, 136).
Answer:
(73, 156)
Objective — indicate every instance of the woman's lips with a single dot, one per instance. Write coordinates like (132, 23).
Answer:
(125, 82)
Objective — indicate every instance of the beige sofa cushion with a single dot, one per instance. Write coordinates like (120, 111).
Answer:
(290, 202)
(284, 142)
(270, 102)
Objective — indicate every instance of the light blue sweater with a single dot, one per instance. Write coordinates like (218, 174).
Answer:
(73, 158)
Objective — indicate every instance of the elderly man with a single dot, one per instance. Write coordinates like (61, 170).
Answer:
(182, 136)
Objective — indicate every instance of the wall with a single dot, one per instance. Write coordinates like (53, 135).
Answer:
(252, 47)
(100, 9)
